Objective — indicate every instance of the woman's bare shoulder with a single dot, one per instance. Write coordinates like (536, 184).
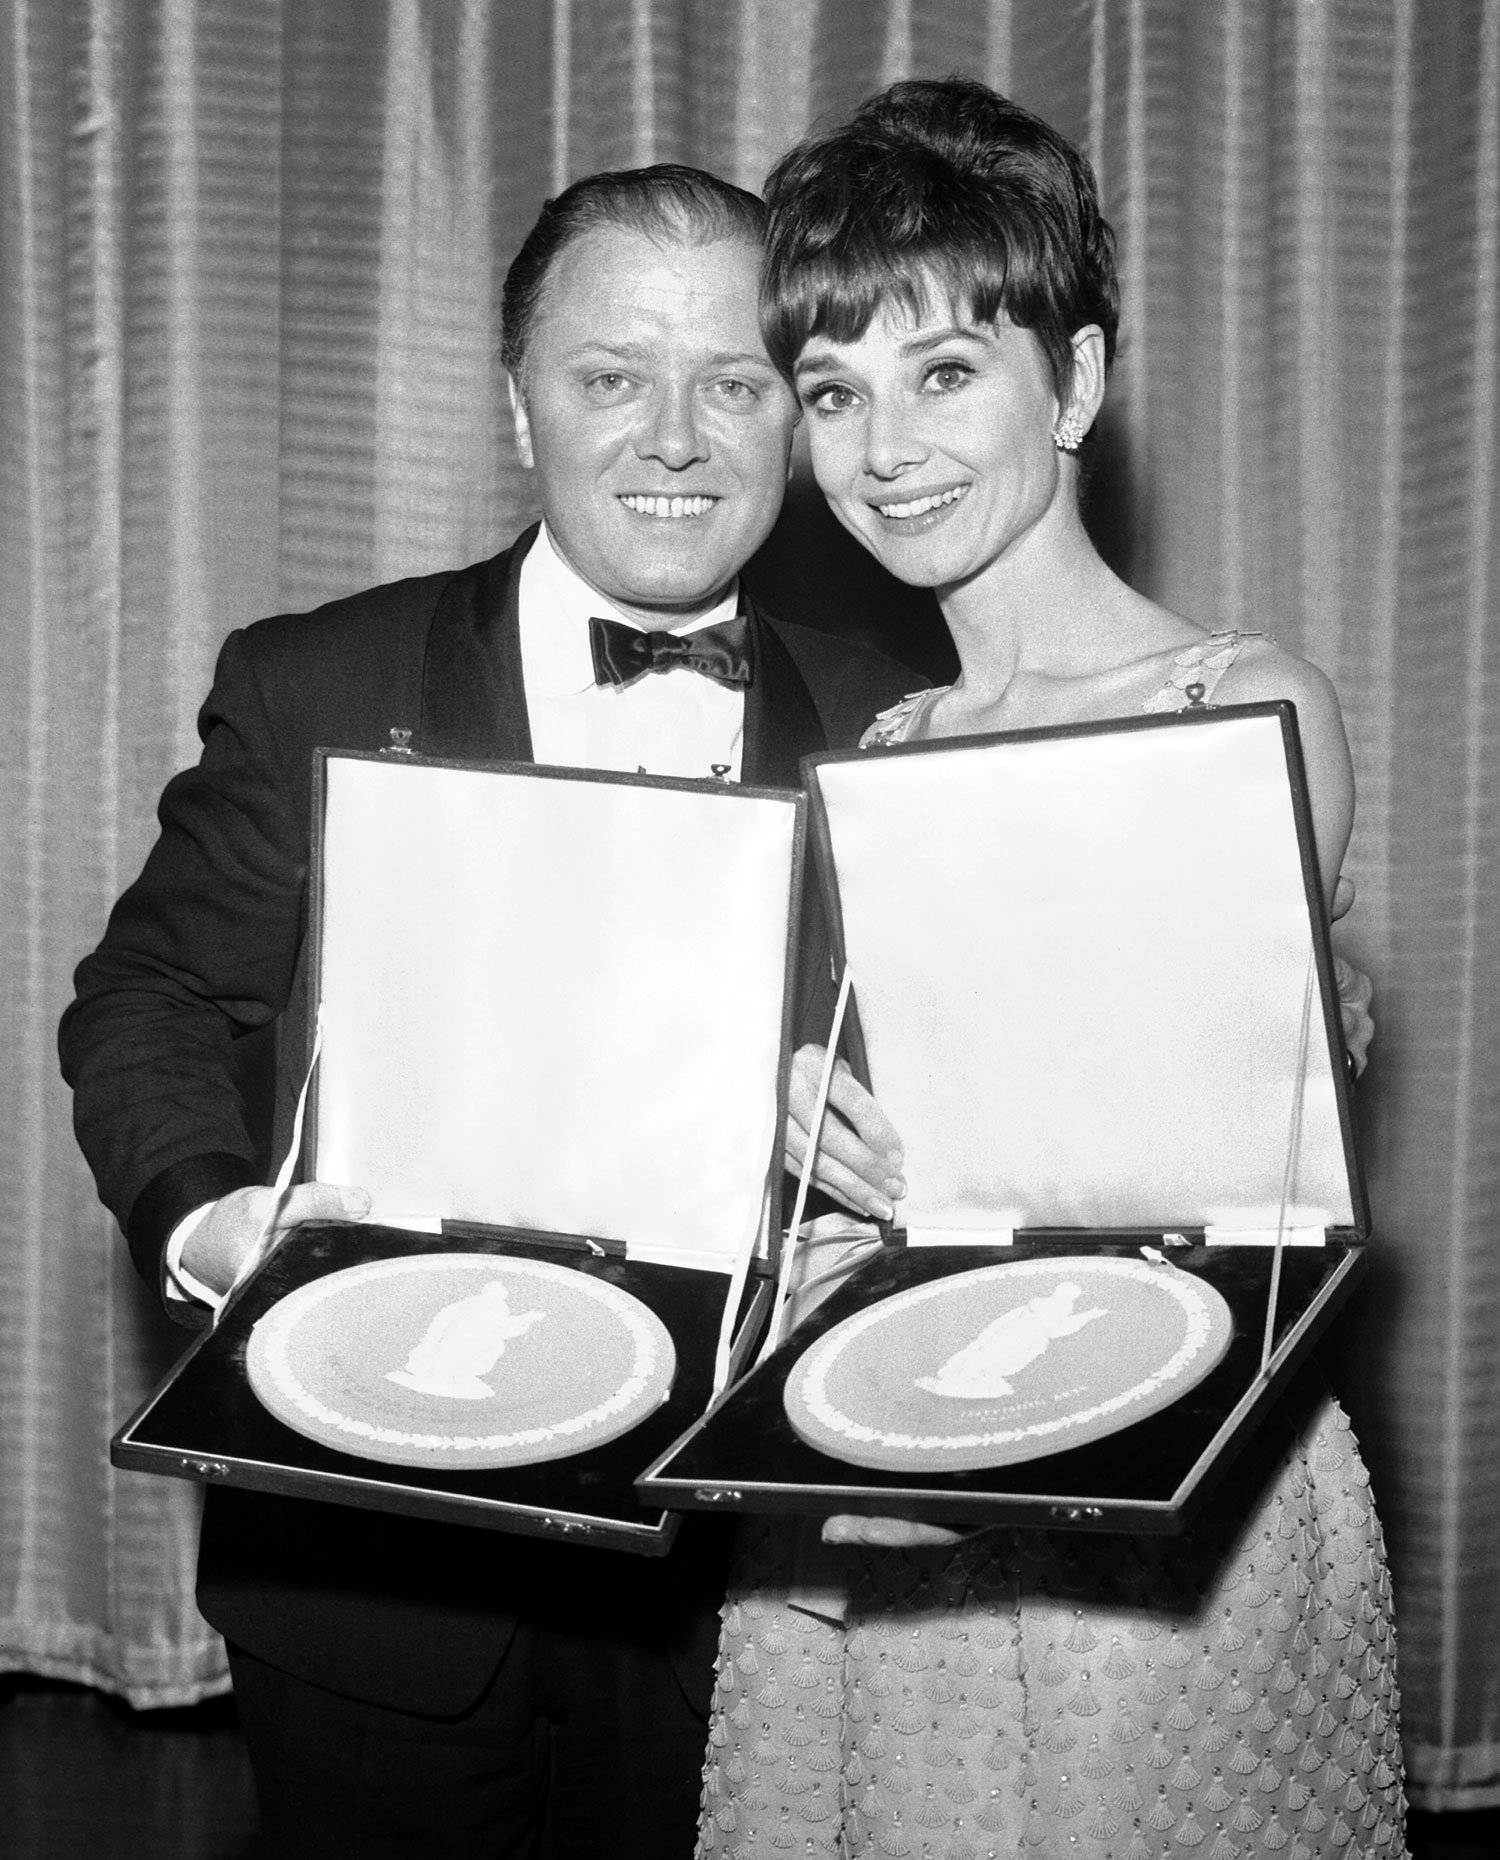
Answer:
(1264, 661)
(1264, 671)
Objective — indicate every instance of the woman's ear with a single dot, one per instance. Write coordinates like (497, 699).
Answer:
(1081, 409)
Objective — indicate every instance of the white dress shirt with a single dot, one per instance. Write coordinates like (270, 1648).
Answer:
(668, 723)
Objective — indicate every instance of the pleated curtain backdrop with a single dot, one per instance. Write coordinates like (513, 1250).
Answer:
(252, 252)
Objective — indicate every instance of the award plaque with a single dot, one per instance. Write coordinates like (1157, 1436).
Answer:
(1090, 983)
(551, 1013)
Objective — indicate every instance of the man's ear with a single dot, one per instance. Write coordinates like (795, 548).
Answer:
(522, 423)
(1087, 394)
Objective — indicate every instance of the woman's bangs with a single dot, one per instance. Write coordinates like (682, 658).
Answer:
(839, 294)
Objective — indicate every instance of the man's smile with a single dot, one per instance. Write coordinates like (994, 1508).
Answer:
(669, 507)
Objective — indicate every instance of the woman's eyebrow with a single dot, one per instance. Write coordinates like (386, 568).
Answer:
(815, 361)
(926, 339)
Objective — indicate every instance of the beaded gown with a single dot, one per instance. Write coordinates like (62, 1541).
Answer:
(1223, 1694)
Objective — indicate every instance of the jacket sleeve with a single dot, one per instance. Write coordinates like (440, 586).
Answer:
(199, 951)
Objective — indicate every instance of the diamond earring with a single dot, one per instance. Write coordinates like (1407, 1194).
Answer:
(1068, 432)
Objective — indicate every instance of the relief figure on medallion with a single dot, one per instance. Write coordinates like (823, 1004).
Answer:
(1007, 1345)
(463, 1343)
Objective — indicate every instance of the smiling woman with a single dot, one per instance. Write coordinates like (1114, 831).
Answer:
(940, 288)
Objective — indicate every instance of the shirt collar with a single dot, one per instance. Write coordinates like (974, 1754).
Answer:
(556, 604)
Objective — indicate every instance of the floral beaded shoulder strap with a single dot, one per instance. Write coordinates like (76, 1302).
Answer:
(896, 724)
(1196, 672)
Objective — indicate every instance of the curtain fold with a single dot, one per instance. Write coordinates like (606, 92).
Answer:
(250, 261)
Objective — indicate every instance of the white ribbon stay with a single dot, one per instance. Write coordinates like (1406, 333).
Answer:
(1289, 1173)
(804, 1180)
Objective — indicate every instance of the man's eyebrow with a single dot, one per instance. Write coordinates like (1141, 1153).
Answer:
(635, 352)
(606, 351)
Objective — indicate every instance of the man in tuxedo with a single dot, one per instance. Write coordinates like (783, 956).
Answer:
(409, 1688)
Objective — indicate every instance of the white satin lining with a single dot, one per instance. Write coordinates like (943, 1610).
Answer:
(1082, 966)
(553, 1004)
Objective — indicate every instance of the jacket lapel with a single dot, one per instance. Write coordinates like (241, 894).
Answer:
(781, 721)
(473, 693)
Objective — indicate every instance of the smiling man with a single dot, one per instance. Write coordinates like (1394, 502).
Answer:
(407, 1688)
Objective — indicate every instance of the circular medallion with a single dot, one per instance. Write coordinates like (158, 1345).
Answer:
(460, 1359)
(1006, 1364)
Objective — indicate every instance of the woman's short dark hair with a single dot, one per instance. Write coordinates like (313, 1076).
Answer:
(938, 182)
(674, 204)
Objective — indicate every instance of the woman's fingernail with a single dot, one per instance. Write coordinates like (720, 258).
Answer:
(895, 1158)
(882, 1210)
(895, 1187)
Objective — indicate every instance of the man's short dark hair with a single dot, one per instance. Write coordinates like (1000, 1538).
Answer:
(669, 203)
(938, 182)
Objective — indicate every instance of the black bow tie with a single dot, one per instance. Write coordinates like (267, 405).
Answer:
(622, 653)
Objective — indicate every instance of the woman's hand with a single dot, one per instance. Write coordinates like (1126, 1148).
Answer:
(1355, 992)
(889, 1533)
(859, 1152)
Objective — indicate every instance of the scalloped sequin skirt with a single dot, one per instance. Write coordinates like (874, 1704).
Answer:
(1223, 1694)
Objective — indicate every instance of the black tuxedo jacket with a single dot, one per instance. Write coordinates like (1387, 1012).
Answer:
(206, 947)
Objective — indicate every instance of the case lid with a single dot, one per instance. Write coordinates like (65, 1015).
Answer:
(1092, 976)
(555, 1000)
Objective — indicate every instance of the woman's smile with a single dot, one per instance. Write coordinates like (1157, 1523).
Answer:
(916, 512)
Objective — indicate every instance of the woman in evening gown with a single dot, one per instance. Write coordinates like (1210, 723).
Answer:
(941, 288)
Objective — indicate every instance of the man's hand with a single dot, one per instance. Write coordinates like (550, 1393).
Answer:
(222, 1241)
(859, 1154)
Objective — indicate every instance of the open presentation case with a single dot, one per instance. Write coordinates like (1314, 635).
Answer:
(1092, 987)
(552, 1013)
